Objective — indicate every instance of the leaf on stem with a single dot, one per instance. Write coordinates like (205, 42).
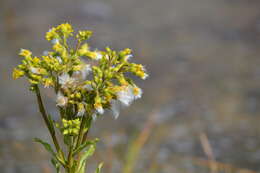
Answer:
(56, 164)
(99, 168)
(84, 145)
(46, 145)
(89, 152)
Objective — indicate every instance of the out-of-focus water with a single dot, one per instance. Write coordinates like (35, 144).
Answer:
(203, 60)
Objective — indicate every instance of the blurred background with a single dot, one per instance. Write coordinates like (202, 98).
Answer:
(201, 104)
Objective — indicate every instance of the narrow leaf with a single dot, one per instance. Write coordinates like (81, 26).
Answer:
(89, 152)
(46, 145)
(99, 168)
(83, 167)
(84, 145)
(56, 164)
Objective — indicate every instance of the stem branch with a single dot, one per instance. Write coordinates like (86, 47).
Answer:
(47, 121)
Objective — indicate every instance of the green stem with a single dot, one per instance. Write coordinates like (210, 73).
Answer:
(47, 121)
(86, 134)
(81, 131)
(70, 157)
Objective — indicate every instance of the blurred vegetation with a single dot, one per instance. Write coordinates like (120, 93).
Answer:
(203, 59)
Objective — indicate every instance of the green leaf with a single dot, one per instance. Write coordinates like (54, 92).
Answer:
(99, 168)
(81, 147)
(89, 152)
(84, 145)
(56, 164)
(49, 149)
(46, 146)
(83, 167)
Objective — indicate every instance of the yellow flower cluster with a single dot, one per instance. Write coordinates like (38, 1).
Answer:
(84, 35)
(82, 87)
(59, 32)
(71, 127)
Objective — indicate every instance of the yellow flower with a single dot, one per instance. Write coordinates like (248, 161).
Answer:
(48, 82)
(58, 47)
(71, 127)
(83, 50)
(137, 92)
(51, 34)
(17, 73)
(25, 53)
(66, 29)
(84, 35)
(77, 67)
(88, 86)
(98, 105)
(36, 60)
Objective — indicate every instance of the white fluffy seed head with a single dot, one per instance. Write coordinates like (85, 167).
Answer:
(85, 71)
(115, 108)
(128, 57)
(88, 87)
(126, 96)
(145, 76)
(81, 113)
(35, 70)
(100, 110)
(98, 55)
(59, 59)
(65, 80)
(55, 41)
(61, 100)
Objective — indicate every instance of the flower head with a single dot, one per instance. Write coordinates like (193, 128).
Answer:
(125, 96)
(98, 55)
(98, 105)
(59, 59)
(100, 109)
(35, 70)
(88, 87)
(17, 73)
(66, 81)
(55, 41)
(25, 53)
(128, 57)
(89, 80)
(84, 35)
(137, 92)
(83, 73)
(145, 76)
(61, 100)
(81, 110)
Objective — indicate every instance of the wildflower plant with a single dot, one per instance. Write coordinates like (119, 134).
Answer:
(87, 83)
